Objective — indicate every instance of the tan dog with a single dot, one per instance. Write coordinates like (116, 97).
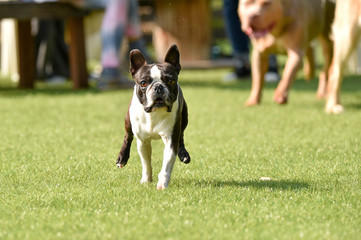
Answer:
(286, 26)
(346, 33)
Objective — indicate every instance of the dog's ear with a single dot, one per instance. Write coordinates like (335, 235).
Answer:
(136, 61)
(172, 57)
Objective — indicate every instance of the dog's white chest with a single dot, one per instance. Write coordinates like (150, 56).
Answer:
(154, 125)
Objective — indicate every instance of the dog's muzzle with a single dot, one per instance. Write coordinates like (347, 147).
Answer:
(159, 98)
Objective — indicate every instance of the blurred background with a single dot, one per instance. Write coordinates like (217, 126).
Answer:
(196, 26)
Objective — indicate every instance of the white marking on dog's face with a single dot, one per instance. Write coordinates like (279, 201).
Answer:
(155, 73)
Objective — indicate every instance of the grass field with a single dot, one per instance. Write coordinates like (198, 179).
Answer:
(58, 178)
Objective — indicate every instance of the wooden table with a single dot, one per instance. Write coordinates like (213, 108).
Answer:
(23, 12)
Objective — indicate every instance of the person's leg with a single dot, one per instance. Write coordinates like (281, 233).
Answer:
(238, 39)
(44, 48)
(133, 30)
(112, 34)
(60, 58)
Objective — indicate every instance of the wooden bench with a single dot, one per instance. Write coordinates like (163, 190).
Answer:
(24, 12)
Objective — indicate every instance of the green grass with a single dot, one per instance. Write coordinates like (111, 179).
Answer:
(58, 178)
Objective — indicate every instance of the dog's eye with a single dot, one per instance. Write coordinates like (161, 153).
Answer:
(169, 80)
(143, 83)
(266, 3)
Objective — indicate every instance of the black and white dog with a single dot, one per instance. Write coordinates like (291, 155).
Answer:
(157, 110)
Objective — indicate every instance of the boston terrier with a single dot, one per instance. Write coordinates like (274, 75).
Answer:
(157, 110)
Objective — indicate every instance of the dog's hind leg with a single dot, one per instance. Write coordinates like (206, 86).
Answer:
(309, 65)
(128, 138)
(327, 47)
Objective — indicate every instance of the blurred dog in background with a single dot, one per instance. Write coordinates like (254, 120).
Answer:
(286, 26)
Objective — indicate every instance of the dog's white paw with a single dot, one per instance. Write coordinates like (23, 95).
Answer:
(163, 181)
(146, 179)
(162, 185)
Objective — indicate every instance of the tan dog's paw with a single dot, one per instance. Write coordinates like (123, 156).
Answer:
(252, 102)
(334, 109)
(280, 98)
(321, 94)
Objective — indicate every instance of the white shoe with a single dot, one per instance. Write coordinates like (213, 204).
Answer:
(271, 77)
(230, 77)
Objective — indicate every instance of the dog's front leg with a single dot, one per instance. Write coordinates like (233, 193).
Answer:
(169, 156)
(127, 143)
(145, 153)
(259, 69)
(292, 65)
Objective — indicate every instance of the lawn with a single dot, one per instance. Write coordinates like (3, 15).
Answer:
(58, 178)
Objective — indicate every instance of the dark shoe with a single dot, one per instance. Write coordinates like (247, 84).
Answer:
(237, 74)
(243, 71)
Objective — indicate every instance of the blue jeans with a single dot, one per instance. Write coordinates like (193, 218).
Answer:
(239, 40)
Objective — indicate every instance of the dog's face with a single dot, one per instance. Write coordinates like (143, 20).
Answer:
(156, 84)
(260, 17)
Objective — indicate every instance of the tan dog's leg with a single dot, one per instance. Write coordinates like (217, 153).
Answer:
(292, 65)
(346, 34)
(309, 65)
(259, 69)
(327, 47)
(343, 48)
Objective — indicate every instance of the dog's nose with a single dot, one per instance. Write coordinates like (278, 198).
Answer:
(159, 88)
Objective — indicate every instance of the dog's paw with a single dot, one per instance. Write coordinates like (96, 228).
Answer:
(321, 95)
(122, 161)
(162, 185)
(252, 102)
(280, 98)
(163, 181)
(184, 155)
(146, 179)
(334, 109)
